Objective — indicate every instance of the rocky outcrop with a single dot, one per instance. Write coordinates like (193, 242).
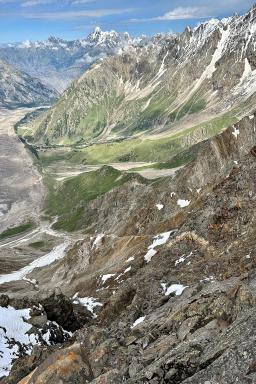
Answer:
(65, 366)
(59, 308)
(219, 154)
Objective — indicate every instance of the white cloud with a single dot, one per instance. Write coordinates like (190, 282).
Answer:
(79, 2)
(32, 3)
(72, 15)
(180, 13)
(65, 15)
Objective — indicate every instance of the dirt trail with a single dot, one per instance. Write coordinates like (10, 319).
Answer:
(151, 173)
(62, 171)
(21, 187)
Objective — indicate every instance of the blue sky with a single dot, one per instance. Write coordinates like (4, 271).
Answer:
(37, 19)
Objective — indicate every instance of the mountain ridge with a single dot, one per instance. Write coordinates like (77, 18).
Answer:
(17, 89)
(56, 62)
(182, 81)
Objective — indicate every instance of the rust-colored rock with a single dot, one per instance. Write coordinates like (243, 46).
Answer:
(63, 367)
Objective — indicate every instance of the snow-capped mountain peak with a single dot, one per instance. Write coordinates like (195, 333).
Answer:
(109, 38)
(56, 61)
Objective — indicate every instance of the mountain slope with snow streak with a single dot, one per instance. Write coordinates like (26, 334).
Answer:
(180, 81)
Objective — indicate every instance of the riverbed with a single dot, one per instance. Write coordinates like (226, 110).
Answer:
(21, 187)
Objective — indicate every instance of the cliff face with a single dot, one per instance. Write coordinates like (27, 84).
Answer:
(176, 82)
(220, 153)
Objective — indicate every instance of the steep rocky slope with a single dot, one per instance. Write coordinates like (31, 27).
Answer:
(17, 89)
(153, 281)
(56, 62)
(176, 83)
(168, 268)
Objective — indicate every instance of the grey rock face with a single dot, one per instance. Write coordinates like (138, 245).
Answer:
(17, 89)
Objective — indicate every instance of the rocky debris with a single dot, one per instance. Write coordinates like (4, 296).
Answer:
(44, 326)
(23, 367)
(4, 301)
(185, 341)
(59, 308)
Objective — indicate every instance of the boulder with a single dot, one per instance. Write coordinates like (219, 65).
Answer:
(67, 366)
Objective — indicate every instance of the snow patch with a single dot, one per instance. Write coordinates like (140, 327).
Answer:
(13, 330)
(97, 241)
(208, 279)
(56, 254)
(130, 259)
(105, 278)
(247, 70)
(138, 321)
(183, 258)
(218, 53)
(122, 274)
(88, 302)
(183, 203)
(174, 288)
(210, 69)
(235, 132)
(160, 239)
(159, 206)
(180, 260)
(151, 253)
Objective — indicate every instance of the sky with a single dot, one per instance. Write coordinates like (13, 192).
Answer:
(70, 19)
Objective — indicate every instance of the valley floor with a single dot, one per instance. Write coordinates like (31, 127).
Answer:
(21, 195)
(21, 187)
(62, 171)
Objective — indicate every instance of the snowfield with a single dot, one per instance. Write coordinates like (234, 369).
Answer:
(13, 330)
(56, 254)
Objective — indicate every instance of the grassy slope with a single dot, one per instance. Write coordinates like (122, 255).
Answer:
(148, 150)
(10, 232)
(68, 200)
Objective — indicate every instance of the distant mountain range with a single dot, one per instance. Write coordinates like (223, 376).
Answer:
(158, 86)
(57, 62)
(18, 89)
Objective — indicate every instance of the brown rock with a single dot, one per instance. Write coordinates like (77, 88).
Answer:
(63, 367)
